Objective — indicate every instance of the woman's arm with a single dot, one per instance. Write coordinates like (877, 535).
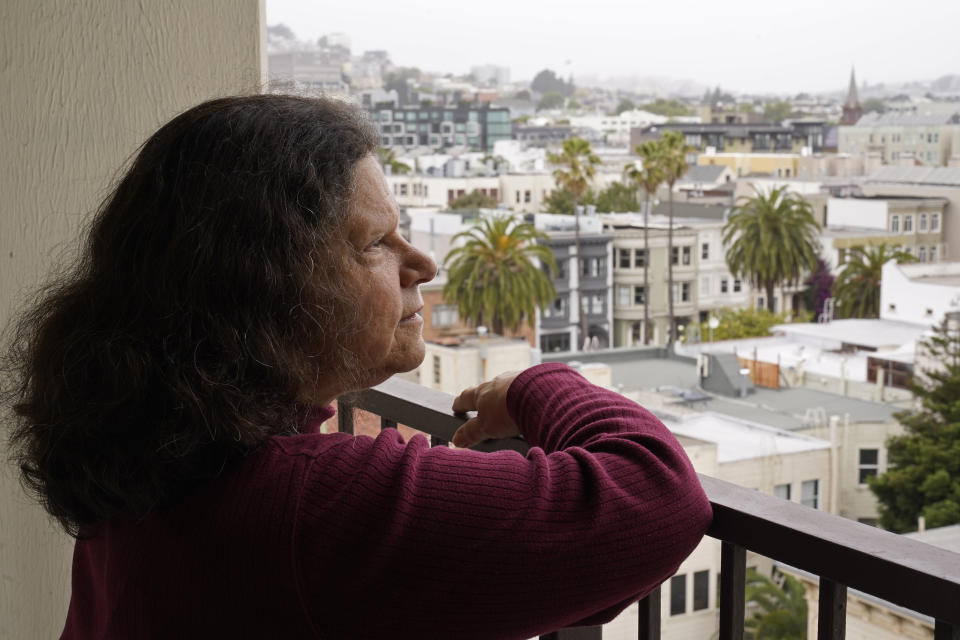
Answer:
(413, 541)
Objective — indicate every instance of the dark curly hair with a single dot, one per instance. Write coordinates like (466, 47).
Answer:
(202, 306)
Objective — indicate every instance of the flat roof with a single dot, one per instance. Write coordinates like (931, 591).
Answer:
(738, 439)
(874, 333)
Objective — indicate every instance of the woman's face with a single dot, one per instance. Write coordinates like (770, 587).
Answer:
(382, 276)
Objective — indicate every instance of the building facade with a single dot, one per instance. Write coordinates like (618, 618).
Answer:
(478, 127)
(929, 140)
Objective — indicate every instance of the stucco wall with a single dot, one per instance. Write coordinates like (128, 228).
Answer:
(83, 83)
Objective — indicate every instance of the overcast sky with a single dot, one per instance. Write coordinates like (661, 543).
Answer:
(745, 45)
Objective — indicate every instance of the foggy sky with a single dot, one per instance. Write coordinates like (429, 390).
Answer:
(744, 46)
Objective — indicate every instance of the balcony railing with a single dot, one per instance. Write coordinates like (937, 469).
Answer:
(843, 553)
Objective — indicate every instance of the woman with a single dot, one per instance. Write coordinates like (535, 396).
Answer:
(246, 271)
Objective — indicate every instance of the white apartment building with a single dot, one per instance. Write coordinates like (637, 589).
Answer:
(467, 361)
(929, 139)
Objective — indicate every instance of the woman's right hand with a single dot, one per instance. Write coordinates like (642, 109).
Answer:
(489, 400)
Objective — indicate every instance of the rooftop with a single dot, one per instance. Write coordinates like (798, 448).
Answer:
(894, 119)
(930, 176)
(946, 274)
(869, 333)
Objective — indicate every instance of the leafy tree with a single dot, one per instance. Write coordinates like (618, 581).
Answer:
(718, 97)
(648, 177)
(388, 158)
(875, 105)
(576, 165)
(492, 277)
(782, 609)
(547, 81)
(771, 239)
(856, 290)
(551, 100)
(617, 198)
(777, 110)
(924, 474)
(673, 164)
(561, 201)
(742, 323)
(745, 107)
(668, 108)
(819, 287)
(472, 201)
(625, 105)
(573, 104)
(523, 94)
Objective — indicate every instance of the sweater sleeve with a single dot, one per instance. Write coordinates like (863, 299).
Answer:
(411, 541)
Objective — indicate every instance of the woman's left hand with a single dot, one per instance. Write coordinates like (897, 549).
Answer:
(489, 400)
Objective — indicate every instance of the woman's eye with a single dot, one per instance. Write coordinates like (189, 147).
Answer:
(375, 244)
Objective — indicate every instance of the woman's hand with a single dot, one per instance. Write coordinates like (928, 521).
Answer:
(489, 400)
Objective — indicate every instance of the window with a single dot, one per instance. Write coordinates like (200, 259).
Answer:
(895, 224)
(810, 493)
(639, 258)
(869, 464)
(518, 197)
(907, 224)
(701, 590)
(736, 285)
(922, 225)
(444, 315)
(934, 222)
(705, 251)
(933, 253)
(678, 595)
(675, 255)
(436, 369)
(922, 254)
(624, 255)
(681, 292)
(623, 296)
(704, 286)
(596, 304)
(724, 285)
(526, 196)
(686, 255)
(557, 309)
(593, 267)
(403, 189)
(555, 342)
(782, 491)
(639, 295)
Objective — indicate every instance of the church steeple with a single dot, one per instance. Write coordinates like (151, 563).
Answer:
(851, 106)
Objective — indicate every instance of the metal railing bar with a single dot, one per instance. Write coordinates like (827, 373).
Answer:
(903, 571)
(733, 574)
(650, 616)
(344, 417)
(945, 631)
(832, 614)
(386, 423)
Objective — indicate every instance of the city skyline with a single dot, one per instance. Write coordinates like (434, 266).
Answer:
(759, 48)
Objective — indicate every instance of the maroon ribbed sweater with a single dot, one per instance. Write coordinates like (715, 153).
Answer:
(334, 536)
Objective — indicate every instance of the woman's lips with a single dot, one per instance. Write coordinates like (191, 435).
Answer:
(413, 317)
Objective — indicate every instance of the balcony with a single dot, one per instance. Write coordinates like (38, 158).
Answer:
(843, 553)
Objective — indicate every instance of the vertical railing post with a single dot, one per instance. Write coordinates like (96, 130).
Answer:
(650, 616)
(344, 416)
(832, 615)
(387, 424)
(733, 574)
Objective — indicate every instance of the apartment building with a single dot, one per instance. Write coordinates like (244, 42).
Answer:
(912, 223)
(924, 139)
(742, 137)
(475, 126)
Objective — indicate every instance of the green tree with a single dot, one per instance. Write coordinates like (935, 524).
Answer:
(492, 277)
(617, 198)
(771, 239)
(625, 105)
(668, 108)
(743, 323)
(388, 158)
(673, 164)
(472, 201)
(924, 464)
(546, 81)
(562, 201)
(874, 105)
(856, 290)
(777, 110)
(782, 609)
(576, 166)
(551, 100)
(649, 177)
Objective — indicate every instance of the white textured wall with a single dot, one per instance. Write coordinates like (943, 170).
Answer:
(82, 83)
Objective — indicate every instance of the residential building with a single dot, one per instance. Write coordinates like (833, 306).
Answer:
(311, 71)
(453, 364)
(471, 125)
(923, 182)
(922, 139)
(742, 138)
(542, 135)
(921, 294)
(491, 75)
(912, 223)
(615, 129)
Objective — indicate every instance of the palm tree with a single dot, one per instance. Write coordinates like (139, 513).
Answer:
(857, 288)
(492, 277)
(388, 158)
(576, 165)
(648, 177)
(673, 164)
(771, 239)
(782, 608)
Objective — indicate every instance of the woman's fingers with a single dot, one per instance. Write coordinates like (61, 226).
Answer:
(466, 401)
(469, 434)
(489, 400)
